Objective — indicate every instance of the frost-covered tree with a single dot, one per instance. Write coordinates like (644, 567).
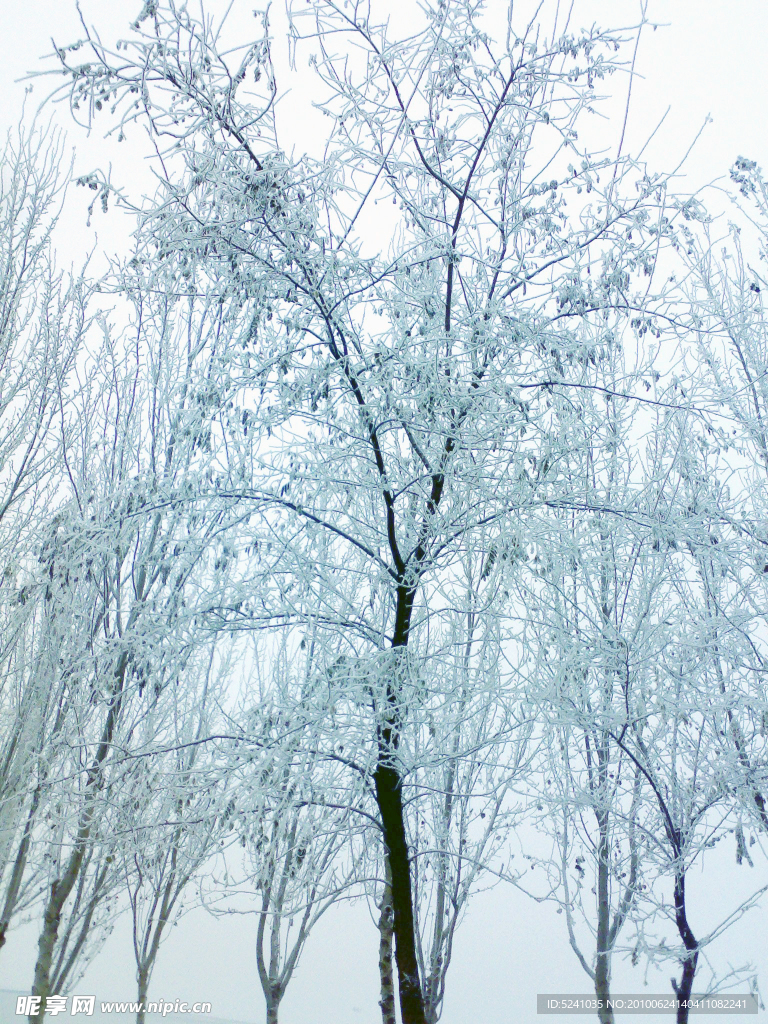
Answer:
(593, 591)
(43, 324)
(123, 572)
(297, 812)
(726, 290)
(469, 752)
(176, 810)
(639, 776)
(398, 365)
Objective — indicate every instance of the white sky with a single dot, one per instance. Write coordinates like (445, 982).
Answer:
(709, 60)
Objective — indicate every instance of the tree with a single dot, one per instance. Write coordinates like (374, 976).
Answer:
(394, 393)
(637, 673)
(470, 751)
(121, 571)
(177, 812)
(296, 812)
(43, 324)
(695, 763)
(726, 290)
(593, 592)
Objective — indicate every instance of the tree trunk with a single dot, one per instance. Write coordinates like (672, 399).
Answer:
(62, 887)
(60, 890)
(390, 801)
(386, 932)
(273, 1006)
(603, 956)
(685, 987)
(19, 867)
(389, 798)
(142, 977)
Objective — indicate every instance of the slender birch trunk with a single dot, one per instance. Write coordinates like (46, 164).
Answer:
(386, 934)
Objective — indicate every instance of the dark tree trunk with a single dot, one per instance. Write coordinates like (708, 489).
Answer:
(389, 798)
(684, 987)
(60, 890)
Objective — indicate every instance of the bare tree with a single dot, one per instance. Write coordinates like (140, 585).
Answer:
(635, 626)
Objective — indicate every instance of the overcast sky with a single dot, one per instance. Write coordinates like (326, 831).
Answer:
(709, 60)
